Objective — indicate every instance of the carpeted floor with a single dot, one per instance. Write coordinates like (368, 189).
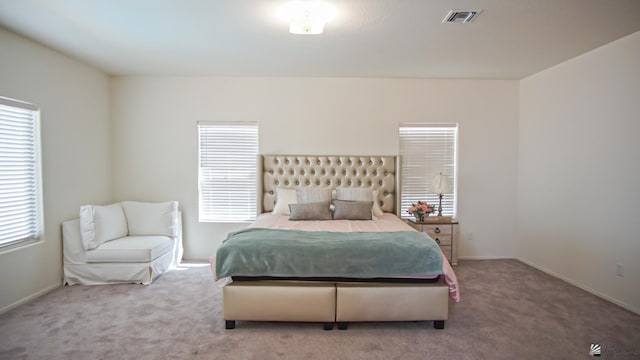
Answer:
(508, 311)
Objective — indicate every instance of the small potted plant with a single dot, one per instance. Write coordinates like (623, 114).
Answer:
(420, 209)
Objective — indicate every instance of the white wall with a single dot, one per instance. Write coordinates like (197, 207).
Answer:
(579, 171)
(155, 138)
(74, 103)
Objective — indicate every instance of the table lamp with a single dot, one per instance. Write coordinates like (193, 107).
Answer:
(440, 186)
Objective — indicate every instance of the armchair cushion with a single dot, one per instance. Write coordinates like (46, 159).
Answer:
(99, 224)
(151, 218)
(131, 249)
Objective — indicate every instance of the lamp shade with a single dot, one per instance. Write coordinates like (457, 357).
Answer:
(440, 184)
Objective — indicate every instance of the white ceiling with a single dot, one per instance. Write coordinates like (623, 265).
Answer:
(510, 39)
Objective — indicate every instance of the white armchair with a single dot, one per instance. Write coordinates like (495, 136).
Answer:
(127, 242)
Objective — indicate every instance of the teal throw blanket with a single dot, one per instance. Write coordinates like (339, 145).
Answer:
(294, 253)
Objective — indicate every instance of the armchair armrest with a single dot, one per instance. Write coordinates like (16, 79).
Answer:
(72, 247)
(178, 249)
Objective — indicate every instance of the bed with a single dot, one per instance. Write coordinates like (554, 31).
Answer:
(329, 287)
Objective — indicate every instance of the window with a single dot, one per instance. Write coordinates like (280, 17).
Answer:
(427, 150)
(20, 180)
(227, 175)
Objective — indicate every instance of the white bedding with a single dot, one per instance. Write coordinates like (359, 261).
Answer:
(385, 223)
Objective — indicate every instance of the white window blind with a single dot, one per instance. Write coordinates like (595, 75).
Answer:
(427, 150)
(20, 180)
(227, 176)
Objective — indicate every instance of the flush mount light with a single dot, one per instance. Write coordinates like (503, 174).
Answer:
(307, 17)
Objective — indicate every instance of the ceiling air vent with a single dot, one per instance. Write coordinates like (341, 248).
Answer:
(461, 16)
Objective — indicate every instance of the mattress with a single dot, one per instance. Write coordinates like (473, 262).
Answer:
(386, 223)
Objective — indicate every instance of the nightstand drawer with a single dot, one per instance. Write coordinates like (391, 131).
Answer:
(437, 229)
(447, 252)
(441, 240)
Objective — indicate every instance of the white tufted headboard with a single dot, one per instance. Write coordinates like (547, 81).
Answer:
(292, 171)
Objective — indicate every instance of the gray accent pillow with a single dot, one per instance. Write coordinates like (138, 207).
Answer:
(352, 210)
(310, 211)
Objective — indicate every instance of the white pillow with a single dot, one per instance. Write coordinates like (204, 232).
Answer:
(151, 218)
(99, 224)
(284, 197)
(376, 210)
(314, 195)
(361, 194)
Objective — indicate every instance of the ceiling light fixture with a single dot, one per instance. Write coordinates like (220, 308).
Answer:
(307, 17)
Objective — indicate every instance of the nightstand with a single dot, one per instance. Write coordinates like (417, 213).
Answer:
(444, 233)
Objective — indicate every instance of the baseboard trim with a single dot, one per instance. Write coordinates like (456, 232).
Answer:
(30, 297)
(486, 258)
(582, 286)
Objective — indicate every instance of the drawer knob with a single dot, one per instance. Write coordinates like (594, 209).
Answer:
(437, 230)
(437, 241)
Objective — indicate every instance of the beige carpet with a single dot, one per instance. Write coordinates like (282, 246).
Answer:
(508, 311)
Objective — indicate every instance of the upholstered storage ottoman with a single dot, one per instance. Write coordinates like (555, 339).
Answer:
(392, 302)
(279, 301)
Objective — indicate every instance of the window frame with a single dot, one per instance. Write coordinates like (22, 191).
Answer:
(415, 185)
(211, 209)
(15, 116)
